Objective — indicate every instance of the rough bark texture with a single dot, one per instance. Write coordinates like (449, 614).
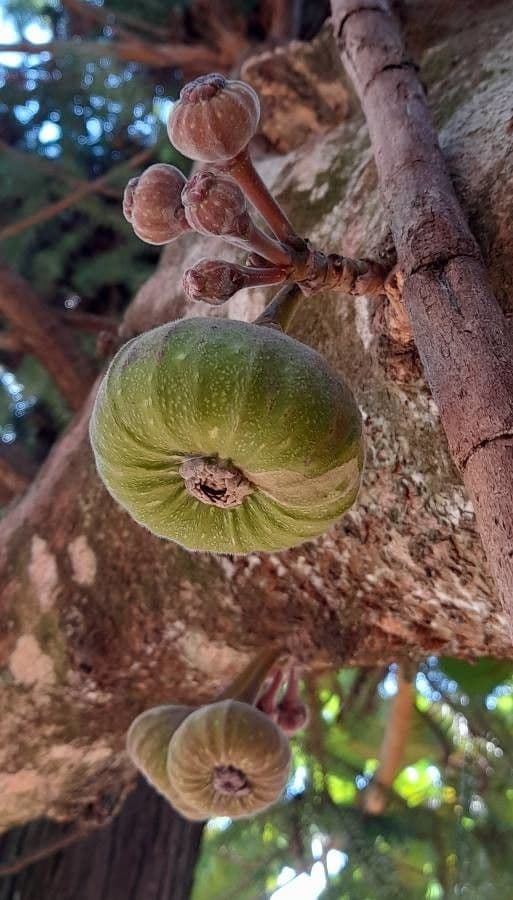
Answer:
(101, 620)
(148, 852)
(462, 335)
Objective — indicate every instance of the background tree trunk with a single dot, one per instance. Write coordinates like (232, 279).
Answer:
(148, 852)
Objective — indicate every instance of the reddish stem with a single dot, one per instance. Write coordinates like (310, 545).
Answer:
(260, 242)
(242, 170)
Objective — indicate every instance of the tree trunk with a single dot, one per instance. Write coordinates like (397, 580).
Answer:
(101, 620)
(148, 852)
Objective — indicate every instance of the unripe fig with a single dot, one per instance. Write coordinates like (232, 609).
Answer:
(152, 203)
(227, 437)
(214, 119)
(226, 759)
(148, 739)
(232, 760)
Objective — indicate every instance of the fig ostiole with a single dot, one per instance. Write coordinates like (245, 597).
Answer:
(227, 437)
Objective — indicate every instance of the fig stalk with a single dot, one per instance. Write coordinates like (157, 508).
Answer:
(282, 308)
(214, 204)
(242, 170)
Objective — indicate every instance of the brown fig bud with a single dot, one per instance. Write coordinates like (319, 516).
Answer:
(214, 119)
(216, 280)
(215, 204)
(213, 280)
(152, 204)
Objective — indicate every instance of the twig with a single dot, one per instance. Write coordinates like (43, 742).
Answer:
(391, 752)
(191, 58)
(285, 19)
(461, 333)
(35, 161)
(280, 311)
(11, 342)
(88, 322)
(74, 197)
(43, 334)
(105, 16)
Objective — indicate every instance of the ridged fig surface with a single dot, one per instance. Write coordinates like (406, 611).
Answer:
(246, 395)
(232, 737)
(148, 739)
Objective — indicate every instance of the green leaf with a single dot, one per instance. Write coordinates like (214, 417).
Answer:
(479, 678)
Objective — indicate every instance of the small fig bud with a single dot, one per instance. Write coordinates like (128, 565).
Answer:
(232, 760)
(213, 280)
(216, 280)
(152, 204)
(214, 119)
(215, 204)
(148, 739)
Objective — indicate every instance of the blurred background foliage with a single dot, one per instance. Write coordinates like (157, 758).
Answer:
(89, 101)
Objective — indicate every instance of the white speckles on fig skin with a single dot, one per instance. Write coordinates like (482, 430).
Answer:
(214, 119)
(222, 390)
(152, 204)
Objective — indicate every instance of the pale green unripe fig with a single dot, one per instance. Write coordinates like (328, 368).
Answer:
(148, 739)
(232, 760)
(226, 759)
(227, 437)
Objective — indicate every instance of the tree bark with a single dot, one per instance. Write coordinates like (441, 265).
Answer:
(148, 852)
(100, 620)
(461, 333)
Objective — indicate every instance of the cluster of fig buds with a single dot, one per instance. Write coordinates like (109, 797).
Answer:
(288, 709)
(213, 123)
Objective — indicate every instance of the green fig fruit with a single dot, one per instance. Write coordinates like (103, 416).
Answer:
(226, 759)
(227, 437)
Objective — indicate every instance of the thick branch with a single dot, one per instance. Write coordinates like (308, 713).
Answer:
(461, 334)
(43, 335)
